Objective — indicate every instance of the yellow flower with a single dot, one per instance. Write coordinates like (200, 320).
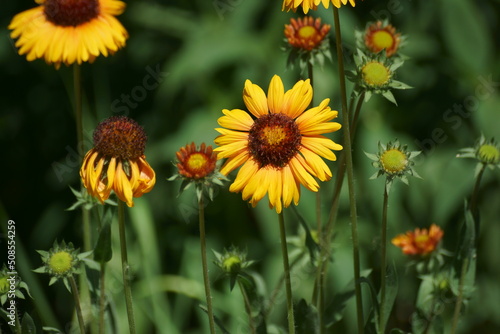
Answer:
(61, 262)
(379, 36)
(117, 161)
(306, 33)
(419, 242)
(375, 74)
(69, 31)
(313, 4)
(279, 149)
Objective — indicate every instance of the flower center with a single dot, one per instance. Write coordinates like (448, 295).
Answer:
(70, 12)
(307, 32)
(60, 262)
(421, 240)
(120, 137)
(489, 154)
(375, 74)
(394, 161)
(232, 264)
(273, 140)
(382, 39)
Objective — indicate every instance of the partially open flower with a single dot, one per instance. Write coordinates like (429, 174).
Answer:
(69, 31)
(375, 75)
(306, 33)
(233, 262)
(117, 161)
(380, 36)
(419, 242)
(393, 161)
(486, 152)
(198, 166)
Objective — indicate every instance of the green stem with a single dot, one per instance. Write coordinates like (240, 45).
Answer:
(286, 267)
(473, 208)
(125, 267)
(350, 171)
(248, 307)
(206, 280)
(383, 260)
(18, 323)
(102, 298)
(79, 315)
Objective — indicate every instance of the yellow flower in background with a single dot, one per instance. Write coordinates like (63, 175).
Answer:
(69, 31)
(420, 241)
(117, 161)
(313, 4)
(281, 147)
(306, 33)
(382, 36)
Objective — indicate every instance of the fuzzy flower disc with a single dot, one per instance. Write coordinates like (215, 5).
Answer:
(375, 74)
(60, 263)
(488, 154)
(394, 161)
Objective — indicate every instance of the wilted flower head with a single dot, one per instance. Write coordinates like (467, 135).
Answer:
(117, 161)
(419, 242)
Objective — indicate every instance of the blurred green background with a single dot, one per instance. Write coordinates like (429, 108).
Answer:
(203, 51)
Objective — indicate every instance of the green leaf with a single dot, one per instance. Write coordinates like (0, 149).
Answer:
(102, 251)
(391, 291)
(306, 318)
(28, 325)
(311, 245)
(218, 322)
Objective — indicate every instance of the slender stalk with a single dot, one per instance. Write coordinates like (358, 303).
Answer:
(383, 260)
(286, 267)
(78, 307)
(274, 295)
(248, 307)
(472, 207)
(206, 280)
(350, 171)
(125, 267)
(102, 297)
(18, 323)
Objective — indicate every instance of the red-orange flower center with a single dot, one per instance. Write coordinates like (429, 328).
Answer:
(273, 140)
(70, 12)
(120, 137)
(196, 163)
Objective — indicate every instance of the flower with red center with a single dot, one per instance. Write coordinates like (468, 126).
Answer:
(420, 241)
(117, 161)
(313, 4)
(281, 147)
(69, 31)
(196, 163)
(306, 33)
(379, 36)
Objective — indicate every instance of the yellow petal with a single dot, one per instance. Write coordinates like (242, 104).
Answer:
(236, 119)
(255, 99)
(275, 95)
(297, 99)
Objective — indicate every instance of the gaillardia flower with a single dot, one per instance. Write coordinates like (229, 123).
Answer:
(117, 161)
(69, 31)
(281, 147)
(313, 4)
(420, 241)
(306, 33)
(380, 36)
(198, 166)
(486, 152)
(393, 161)
(375, 75)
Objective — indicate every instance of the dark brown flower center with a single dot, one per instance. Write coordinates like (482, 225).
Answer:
(70, 12)
(120, 137)
(273, 140)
